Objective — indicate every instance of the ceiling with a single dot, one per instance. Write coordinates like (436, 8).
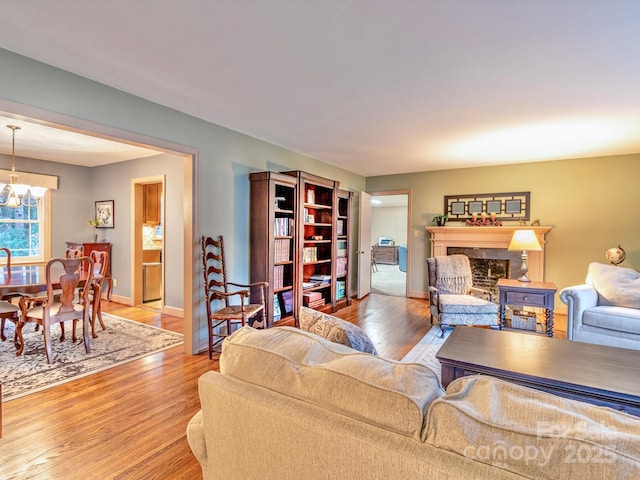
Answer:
(376, 87)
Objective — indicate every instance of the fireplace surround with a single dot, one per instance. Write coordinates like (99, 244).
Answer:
(491, 243)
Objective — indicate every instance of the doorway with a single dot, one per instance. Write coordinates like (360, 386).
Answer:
(148, 242)
(390, 243)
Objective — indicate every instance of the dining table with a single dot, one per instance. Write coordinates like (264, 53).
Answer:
(30, 279)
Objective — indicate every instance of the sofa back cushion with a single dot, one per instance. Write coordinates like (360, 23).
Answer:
(615, 285)
(372, 389)
(532, 433)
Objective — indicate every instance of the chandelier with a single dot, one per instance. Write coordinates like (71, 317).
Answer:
(18, 194)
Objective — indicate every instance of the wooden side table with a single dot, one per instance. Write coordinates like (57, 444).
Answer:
(531, 294)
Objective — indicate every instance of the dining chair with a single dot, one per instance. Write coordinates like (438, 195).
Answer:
(71, 252)
(66, 306)
(8, 311)
(217, 295)
(100, 266)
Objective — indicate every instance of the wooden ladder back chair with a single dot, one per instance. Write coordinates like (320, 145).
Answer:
(65, 307)
(8, 311)
(220, 309)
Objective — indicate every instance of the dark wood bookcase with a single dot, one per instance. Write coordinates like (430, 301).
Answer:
(342, 290)
(273, 237)
(300, 242)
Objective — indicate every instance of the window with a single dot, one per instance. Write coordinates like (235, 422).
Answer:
(22, 230)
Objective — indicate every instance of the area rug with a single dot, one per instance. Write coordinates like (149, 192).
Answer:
(389, 280)
(425, 350)
(123, 341)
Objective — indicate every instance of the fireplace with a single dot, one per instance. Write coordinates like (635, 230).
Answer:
(488, 265)
(486, 248)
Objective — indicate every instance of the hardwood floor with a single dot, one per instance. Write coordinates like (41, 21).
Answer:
(129, 422)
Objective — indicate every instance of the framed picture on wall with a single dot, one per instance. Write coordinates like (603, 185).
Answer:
(105, 213)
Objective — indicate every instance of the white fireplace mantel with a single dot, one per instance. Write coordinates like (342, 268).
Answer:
(488, 237)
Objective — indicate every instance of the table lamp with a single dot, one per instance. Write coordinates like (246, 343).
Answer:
(524, 240)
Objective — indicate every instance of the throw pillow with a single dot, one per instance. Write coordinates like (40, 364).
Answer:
(335, 329)
(615, 285)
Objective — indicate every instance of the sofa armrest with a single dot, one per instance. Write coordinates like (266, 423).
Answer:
(195, 436)
(578, 298)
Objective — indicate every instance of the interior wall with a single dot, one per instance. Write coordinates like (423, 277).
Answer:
(224, 157)
(589, 203)
(113, 182)
(389, 222)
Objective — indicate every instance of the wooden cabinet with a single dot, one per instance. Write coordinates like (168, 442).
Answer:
(273, 238)
(152, 204)
(89, 247)
(300, 242)
(386, 254)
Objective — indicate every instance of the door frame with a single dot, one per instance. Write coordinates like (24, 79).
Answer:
(191, 312)
(406, 192)
(137, 220)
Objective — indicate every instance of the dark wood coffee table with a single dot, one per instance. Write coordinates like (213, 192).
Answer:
(606, 376)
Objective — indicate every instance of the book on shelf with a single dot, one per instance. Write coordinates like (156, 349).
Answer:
(277, 315)
(340, 289)
(341, 266)
(340, 227)
(311, 297)
(310, 254)
(311, 196)
(320, 278)
(278, 276)
(282, 249)
(287, 301)
(283, 226)
(342, 248)
(316, 303)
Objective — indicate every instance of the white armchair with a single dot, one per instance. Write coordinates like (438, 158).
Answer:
(606, 308)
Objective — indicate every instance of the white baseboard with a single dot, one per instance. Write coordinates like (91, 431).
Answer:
(173, 311)
(416, 294)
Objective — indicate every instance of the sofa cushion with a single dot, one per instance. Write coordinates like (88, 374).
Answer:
(615, 285)
(381, 392)
(622, 319)
(335, 329)
(532, 433)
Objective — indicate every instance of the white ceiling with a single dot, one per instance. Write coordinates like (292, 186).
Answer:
(376, 87)
(44, 142)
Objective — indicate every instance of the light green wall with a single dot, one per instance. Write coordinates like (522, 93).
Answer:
(589, 202)
(225, 157)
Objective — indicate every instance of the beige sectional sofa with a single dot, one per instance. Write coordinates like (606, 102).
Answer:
(288, 404)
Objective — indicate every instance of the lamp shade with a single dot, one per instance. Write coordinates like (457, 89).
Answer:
(524, 240)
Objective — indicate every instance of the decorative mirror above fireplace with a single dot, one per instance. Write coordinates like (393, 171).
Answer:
(506, 206)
